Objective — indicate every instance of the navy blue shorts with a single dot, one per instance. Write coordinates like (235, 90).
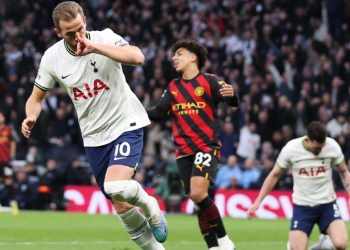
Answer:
(305, 217)
(125, 150)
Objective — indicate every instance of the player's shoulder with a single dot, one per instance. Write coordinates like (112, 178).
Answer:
(107, 36)
(209, 76)
(295, 143)
(331, 142)
(54, 50)
(102, 33)
(175, 81)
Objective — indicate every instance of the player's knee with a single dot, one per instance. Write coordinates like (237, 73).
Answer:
(197, 196)
(121, 207)
(121, 190)
(340, 243)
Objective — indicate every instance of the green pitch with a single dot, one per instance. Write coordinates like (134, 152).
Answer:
(49, 230)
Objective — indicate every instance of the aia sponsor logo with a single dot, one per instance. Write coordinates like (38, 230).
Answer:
(89, 91)
(313, 171)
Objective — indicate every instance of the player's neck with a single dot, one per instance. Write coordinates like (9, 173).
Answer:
(190, 73)
(72, 48)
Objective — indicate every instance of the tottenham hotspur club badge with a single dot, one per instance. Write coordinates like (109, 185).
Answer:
(93, 64)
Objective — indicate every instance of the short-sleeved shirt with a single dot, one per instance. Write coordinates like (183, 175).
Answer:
(104, 102)
(312, 174)
(192, 106)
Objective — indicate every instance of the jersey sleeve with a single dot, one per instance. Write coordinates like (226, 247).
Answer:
(283, 159)
(216, 84)
(339, 156)
(112, 38)
(44, 79)
(162, 108)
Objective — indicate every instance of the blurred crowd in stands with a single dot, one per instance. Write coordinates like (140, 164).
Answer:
(288, 59)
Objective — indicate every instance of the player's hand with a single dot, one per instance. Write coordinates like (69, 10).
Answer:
(251, 211)
(84, 45)
(27, 126)
(226, 90)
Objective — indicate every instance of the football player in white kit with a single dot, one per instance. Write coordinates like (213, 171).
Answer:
(88, 65)
(311, 159)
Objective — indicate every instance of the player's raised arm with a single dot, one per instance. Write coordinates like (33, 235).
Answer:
(126, 54)
(266, 188)
(33, 109)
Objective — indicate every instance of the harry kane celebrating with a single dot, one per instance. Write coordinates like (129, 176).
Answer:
(88, 65)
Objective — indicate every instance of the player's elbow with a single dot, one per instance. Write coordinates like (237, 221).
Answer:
(139, 59)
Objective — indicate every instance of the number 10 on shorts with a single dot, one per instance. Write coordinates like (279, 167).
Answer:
(122, 151)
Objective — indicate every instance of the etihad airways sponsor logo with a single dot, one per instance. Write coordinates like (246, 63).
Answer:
(188, 105)
(188, 108)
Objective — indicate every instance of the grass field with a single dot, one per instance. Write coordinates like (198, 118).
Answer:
(51, 230)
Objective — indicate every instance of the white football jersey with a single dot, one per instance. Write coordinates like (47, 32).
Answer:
(104, 102)
(312, 174)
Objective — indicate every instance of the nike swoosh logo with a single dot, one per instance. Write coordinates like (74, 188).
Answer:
(119, 158)
(63, 77)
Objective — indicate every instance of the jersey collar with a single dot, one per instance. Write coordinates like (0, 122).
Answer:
(69, 50)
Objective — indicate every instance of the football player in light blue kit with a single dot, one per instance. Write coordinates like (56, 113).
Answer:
(311, 158)
(88, 65)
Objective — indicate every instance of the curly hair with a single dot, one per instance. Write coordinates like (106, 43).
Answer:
(316, 132)
(194, 47)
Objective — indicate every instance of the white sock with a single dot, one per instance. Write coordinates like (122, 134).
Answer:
(226, 243)
(223, 239)
(132, 192)
(137, 227)
(148, 203)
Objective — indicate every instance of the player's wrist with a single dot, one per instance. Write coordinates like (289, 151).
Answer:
(32, 117)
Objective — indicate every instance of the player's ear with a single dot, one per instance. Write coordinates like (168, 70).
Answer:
(58, 32)
(194, 57)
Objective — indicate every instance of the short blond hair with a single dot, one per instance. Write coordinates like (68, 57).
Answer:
(66, 11)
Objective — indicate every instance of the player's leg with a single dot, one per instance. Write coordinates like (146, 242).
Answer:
(323, 243)
(332, 224)
(199, 195)
(137, 227)
(302, 222)
(338, 233)
(114, 177)
(203, 172)
(185, 165)
(298, 240)
(118, 184)
(131, 191)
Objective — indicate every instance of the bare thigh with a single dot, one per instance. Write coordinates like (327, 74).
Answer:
(338, 233)
(298, 240)
(199, 188)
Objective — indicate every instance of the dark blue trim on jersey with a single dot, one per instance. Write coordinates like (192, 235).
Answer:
(41, 87)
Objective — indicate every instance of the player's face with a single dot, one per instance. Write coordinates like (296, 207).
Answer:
(70, 30)
(182, 59)
(314, 146)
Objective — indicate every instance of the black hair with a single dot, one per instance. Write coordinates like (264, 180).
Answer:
(194, 47)
(316, 132)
